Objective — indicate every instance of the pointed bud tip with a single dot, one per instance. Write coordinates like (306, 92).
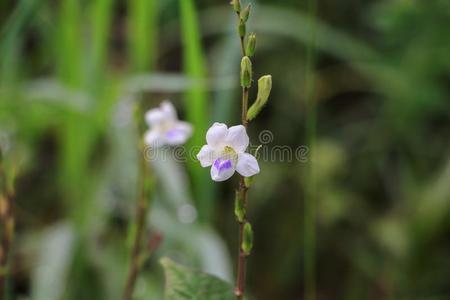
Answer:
(236, 5)
(246, 12)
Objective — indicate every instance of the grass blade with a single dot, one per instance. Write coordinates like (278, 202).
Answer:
(196, 103)
(142, 33)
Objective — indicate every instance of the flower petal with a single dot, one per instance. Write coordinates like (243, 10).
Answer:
(237, 138)
(168, 110)
(216, 134)
(206, 156)
(153, 138)
(247, 165)
(178, 134)
(222, 169)
(154, 117)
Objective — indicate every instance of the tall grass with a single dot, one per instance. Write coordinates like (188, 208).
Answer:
(196, 103)
(142, 33)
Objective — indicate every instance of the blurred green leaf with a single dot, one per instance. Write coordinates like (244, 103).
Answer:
(101, 16)
(68, 49)
(50, 275)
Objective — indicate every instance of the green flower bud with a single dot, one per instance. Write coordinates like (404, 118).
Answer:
(264, 87)
(236, 5)
(251, 45)
(239, 209)
(248, 181)
(247, 239)
(246, 13)
(242, 28)
(246, 72)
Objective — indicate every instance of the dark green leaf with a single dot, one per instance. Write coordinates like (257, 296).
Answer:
(183, 283)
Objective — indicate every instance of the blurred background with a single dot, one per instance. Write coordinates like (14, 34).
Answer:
(362, 86)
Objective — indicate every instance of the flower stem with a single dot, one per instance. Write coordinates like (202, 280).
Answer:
(7, 223)
(140, 223)
(140, 226)
(243, 46)
(242, 192)
(241, 266)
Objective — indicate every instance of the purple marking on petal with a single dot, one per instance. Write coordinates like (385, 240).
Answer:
(172, 133)
(221, 165)
(217, 163)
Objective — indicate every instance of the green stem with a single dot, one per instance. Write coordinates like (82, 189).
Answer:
(241, 266)
(139, 234)
(140, 223)
(242, 192)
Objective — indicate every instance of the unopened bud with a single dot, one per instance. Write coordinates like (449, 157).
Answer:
(239, 209)
(246, 72)
(248, 181)
(246, 13)
(251, 45)
(236, 5)
(247, 240)
(264, 88)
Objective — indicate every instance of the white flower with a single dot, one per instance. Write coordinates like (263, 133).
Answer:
(225, 152)
(165, 128)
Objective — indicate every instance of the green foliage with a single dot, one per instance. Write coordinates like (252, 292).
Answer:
(68, 49)
(183, 283)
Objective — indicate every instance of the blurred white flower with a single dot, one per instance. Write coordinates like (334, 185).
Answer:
(225, 152)
(165, 128)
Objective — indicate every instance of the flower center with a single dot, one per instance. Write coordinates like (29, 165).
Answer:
(229, 153)
(166, 126)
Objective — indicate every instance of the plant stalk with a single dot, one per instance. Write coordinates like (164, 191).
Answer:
(139, 232)
(242, 191)
(241, 267)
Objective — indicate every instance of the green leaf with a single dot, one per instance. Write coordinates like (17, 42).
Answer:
(183, 283)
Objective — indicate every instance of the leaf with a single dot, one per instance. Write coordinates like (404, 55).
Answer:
(183, 283)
